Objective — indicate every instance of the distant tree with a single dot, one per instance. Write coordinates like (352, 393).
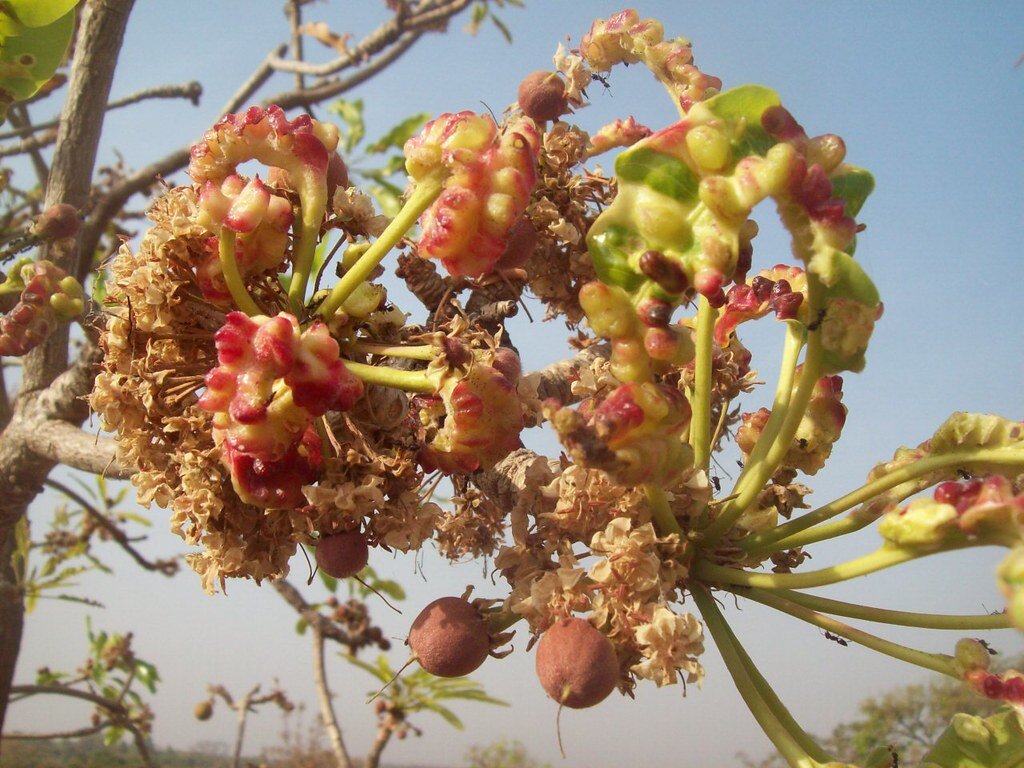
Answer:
(502, 754)
(909, 719)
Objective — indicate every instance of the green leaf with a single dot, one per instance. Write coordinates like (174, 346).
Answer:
(36, 13)
(28, 60)
(390, 588)
(113, 735)
(147, 674)
(388, 197)
(399, 134)
(329, 581)
(135, 518)
(852, 185)
(660, 171)
(444, 712)
(352, 113)
(375, 670)
(477, 17)
(502, 28)
(301, 626)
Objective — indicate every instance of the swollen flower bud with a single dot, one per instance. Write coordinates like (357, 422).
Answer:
(272, 381)
(490, 175)
(633, 434)
(48, 296)
(475, 418)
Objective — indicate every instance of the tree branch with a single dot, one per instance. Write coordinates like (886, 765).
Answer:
(382, 37)
(313, 617)
(64, 443)
(166, 567)
(327, 714)
(101, 31)
(191, 91)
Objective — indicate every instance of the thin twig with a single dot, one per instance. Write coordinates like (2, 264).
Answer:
(293, 10)
(191, 90)
(166, 567)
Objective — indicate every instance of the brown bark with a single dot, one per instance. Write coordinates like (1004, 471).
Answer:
(101, 31)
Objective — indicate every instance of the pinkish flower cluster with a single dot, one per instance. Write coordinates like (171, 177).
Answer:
(259, 218)
(301, 146)
(48, 296)
(490, 174)
(475, 418)
(958, 510)
(819, 429)
(633, 434)
(781, 290)
(271, 382)
(625, 38)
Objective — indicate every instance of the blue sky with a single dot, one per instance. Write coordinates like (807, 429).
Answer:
(926, 97)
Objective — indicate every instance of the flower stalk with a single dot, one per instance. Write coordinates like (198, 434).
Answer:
(232, 276)
(427, 190)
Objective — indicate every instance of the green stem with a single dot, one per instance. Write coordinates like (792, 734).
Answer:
(418, 352)
(700, 423)
(426, 192)
(233, 278)
(937, 662)
(408, 381)
(664, 520)
(793, 344)
(984, 621)
(784, 537)
(766, 715)
(884, 557)
(766, 692)
(778, 442)
(314, 204)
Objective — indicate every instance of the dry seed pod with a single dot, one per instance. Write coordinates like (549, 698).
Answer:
(576, 664)
(342, 554)
(449, 638)
(542, 96)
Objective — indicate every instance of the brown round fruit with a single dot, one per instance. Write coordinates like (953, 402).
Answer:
(342, 554)
(542, 96)
(449, 638)
(576, 664)
(203, 710)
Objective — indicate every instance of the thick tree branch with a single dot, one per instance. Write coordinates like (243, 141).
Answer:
(101, 32)
(65, 443)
